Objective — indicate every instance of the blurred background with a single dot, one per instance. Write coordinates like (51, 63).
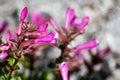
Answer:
(104, 23)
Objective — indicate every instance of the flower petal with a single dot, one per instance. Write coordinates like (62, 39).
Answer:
(37, 17)
(24, 13)
(63, 67)
(69, 17)
(46, 38)
(84, 22)
(89, 45)
(43, 28)
(8, 35)
(54, 25)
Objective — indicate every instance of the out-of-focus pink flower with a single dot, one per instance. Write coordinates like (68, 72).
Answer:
(69, 17)
(89, 45)
(47, 38)
(37, 18)
(3, 26)
(54, 25)
(105, 52)
(63, 67)
(83, 23)
(78, 54)
(8, 35)
(24, 13)
(3, 55)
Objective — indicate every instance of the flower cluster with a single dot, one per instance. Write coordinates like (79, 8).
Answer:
(72, 28)
(32, 35)
(25, 37)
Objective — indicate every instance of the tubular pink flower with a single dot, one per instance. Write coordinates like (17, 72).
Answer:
(43, 28)
(3, 55)
(37, 17)
(63, 67)
(47, 38)
(105, 52)
(69, 17)
(84, 22)
(89, 45)
(3, 26)
(24, 13)
(8, 35)
(78, 54)
(54, 25)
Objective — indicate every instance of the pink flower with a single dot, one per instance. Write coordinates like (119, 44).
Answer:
(24, 13)
(63, 67)
(54, 25)
(69, 17)
(54, 41)
(3, 55)
(8, 35)
(47, 38)
(84, 22)
(105, 52)
(42, 27)
(37, 18)
(89, 45)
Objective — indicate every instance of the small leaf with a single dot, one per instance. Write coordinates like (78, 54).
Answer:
(11, 61)
(47, 76)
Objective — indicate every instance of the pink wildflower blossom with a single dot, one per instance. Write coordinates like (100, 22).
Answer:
(69, 17)
(84, 22)
(47, 38)
(63, 67)
(37, 18)
(24, 13)
(105, 52)
(89, 45)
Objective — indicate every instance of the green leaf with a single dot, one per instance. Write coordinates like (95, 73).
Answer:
(18, 78)
(47, 76)
(11, 61)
